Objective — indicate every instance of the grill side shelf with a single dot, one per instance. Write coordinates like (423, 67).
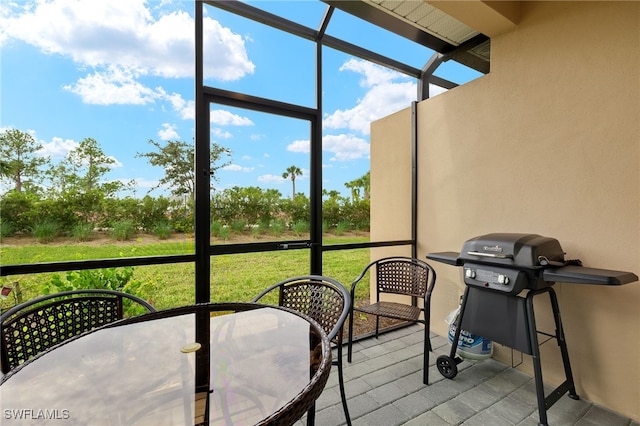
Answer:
(581, 275)
(448, 257)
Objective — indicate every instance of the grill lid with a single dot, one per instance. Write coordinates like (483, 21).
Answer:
(514, 250)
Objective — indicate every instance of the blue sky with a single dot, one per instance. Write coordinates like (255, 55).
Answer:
(121, 72)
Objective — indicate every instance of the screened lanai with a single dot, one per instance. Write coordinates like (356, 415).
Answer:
(529, 147)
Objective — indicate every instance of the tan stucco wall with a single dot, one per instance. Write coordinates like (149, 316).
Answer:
(547, 143)
(392, 221)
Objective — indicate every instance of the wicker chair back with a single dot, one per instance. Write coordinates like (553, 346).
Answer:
(398, 275)
(36, 326)
(324, 300)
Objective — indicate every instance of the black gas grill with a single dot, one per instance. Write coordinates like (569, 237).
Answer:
(497, 269)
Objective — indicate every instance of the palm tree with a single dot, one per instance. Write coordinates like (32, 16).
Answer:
(355, 190)
(291, 173)
(364, 183)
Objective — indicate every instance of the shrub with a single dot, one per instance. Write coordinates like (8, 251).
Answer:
(123, 230)
(256, 231)
(342, 227)
(264, 226)
(358, 214)
(277, 227)
(6, 229)
(82, 231)
(215, 228)
(224, 233)
(238, 226)
(250, 204)
(181, 219)
(162, 231)
(119, 279)
(152, 212)
(300, 227)
(18, 208)
(333, 210)
(45, 231)
(297, 209)
(71, 208)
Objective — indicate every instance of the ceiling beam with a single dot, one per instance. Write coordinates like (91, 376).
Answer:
(488, 17)
(391, 23)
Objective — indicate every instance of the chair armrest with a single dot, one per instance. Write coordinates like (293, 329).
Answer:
(360, 277)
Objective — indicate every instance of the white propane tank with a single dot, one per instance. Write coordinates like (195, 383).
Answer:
(469, 345)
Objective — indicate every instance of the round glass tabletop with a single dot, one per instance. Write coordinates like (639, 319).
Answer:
(161, 369)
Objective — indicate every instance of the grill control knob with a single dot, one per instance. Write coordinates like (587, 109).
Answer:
(503, 279)
(469, 273)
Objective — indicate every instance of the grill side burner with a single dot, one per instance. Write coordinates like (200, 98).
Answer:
(498, 267)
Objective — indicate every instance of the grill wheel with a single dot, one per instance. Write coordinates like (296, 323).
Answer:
(447, 366)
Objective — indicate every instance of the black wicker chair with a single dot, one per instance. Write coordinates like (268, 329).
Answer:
(324, 300)
(404, 276)
(37, 325)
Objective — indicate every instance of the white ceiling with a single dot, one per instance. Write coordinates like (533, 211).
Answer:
(427, 18)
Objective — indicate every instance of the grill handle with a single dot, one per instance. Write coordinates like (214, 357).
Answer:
(492, 255)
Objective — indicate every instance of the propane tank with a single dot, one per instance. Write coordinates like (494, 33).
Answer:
(470, 345)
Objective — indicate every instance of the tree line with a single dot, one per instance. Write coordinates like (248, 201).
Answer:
(73, 195)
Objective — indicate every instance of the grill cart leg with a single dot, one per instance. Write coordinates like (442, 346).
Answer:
(448, 365)
(544, 403)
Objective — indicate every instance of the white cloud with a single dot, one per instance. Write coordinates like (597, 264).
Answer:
(168, 132)
(343, 147)
(373, 74)
(271, 179)
(225, 54)
(299, 146)
(185, 109)
(114, 86)
(116, 163)
(141, 182)
(219, 133)
(120, 43)
(385, 95)
(237, 168)
(125, 33)
(225, 118)
(58, 147)
(436, 90)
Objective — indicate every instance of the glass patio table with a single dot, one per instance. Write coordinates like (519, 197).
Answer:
(232, 363)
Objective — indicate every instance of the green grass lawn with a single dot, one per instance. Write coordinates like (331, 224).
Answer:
(236, 277)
